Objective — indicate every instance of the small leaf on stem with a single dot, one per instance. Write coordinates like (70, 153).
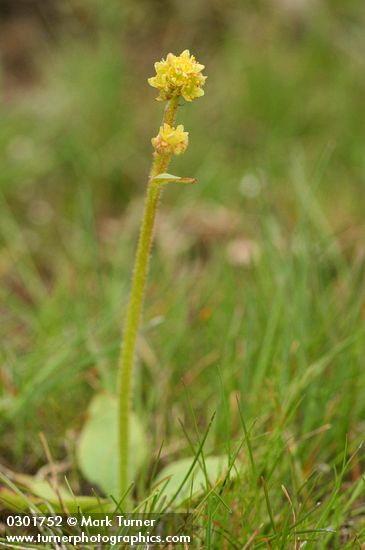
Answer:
(163, 179)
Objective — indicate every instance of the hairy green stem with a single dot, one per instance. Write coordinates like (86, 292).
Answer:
(134, 310)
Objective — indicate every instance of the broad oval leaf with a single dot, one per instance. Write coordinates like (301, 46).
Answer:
(177, 483)
(97, 450)
(29, 492)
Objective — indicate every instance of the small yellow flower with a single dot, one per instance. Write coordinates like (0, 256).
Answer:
(170, 140)
(178, 76)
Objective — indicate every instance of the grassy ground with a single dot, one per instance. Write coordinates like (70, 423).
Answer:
(255, 308)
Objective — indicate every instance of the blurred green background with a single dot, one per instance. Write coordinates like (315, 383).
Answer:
(277, 145)
(285, 81)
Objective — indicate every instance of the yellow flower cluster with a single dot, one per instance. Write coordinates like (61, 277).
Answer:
(170, 140)
(178, 76)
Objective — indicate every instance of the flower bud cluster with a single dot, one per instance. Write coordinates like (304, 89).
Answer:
(178, 76)
(170, 140)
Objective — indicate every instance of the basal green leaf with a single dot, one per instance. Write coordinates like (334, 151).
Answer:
(27, 492)
(97, 450)
(175, 479)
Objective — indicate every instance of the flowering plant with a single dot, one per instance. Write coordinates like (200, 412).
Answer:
(176, 77)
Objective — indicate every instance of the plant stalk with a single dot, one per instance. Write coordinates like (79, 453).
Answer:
(135, 305)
